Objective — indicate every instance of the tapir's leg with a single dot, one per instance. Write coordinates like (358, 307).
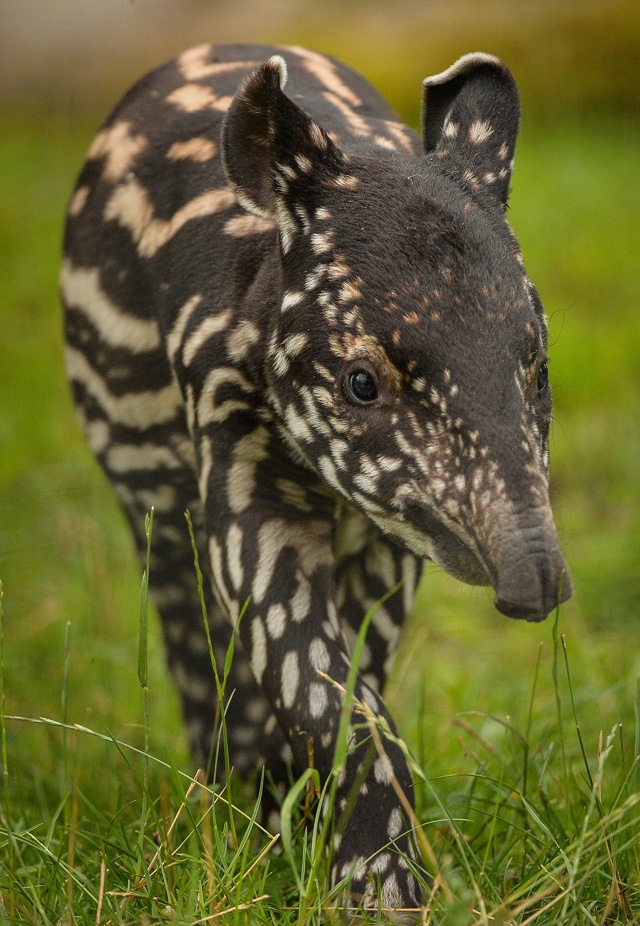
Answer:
(153, 464)
(275, 549)
(253, 735)
(370, 565)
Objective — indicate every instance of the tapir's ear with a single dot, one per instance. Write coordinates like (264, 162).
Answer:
(272, 151)
(471, 113)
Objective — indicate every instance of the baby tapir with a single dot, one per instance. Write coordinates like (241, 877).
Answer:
(292, 316)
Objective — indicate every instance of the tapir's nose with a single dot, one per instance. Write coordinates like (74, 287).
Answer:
(532, 577)
(521, 601)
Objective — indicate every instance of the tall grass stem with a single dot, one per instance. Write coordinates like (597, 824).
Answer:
(3, 722)
(143, 678)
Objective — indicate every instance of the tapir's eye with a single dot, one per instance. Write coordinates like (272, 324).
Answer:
(543, 376)
(362, 385)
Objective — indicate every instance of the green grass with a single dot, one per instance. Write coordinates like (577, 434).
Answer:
(532, 819)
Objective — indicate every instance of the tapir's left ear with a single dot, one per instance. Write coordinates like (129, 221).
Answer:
(273, 153)
(471, 114)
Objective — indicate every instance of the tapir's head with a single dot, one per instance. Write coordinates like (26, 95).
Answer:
(408, 361)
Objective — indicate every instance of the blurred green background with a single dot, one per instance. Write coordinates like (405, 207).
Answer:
(65, 553)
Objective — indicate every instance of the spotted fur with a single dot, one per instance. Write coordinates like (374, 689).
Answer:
(288, 314)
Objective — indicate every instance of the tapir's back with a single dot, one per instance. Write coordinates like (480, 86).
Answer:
(153, 182)
(186, 99)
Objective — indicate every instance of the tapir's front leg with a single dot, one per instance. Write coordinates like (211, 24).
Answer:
(370, 565)
(271, 543)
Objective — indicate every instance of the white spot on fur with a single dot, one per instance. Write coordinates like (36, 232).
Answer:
(469, 177)
(380, 863)
(97, 432)
(451, 129)
(287, 171)
(290, 300)
(206, 465)
(241, 339)
(318, 699)
(321, 243)
(275, 535)
(78, 201)
(241, 478)
(354, 120)
(297, 425)
(328, 471)
(240, 226)
(295, 495)
(402, 135)
(385, 143)
(174, 340)
(130, 206)
(324, 71)
(196, 149)
(276, 621)
(119, 148)
(391, 895)
(280, 363)
(207, 328)
(381, 771)
(319, 655)
(193, 98)
(134, 409)
(208, 410)
(217, 572)
(286, 226)
(81, 290)
(480, 131)
(301, 601)
(194, 64)
(258, 649)
(124, 458)
(295, 343)
(234, 555)
(365, 484)
(304, 163)
(290, 678)
(394, 826)
(313, 415)
(345, 182)
(314, 278)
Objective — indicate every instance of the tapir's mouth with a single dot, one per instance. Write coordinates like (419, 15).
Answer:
(530, 579)
(447, 550)
(459, 560)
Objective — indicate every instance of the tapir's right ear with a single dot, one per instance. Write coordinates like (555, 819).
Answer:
(471, 113)
(273, 152)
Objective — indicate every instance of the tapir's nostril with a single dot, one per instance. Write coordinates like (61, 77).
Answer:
(517, 598)
(523, 610)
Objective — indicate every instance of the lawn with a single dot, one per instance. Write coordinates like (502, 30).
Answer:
(526, 737)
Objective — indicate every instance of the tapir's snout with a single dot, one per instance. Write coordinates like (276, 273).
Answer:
(530, 575)
(518, 555)
(531, 594)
